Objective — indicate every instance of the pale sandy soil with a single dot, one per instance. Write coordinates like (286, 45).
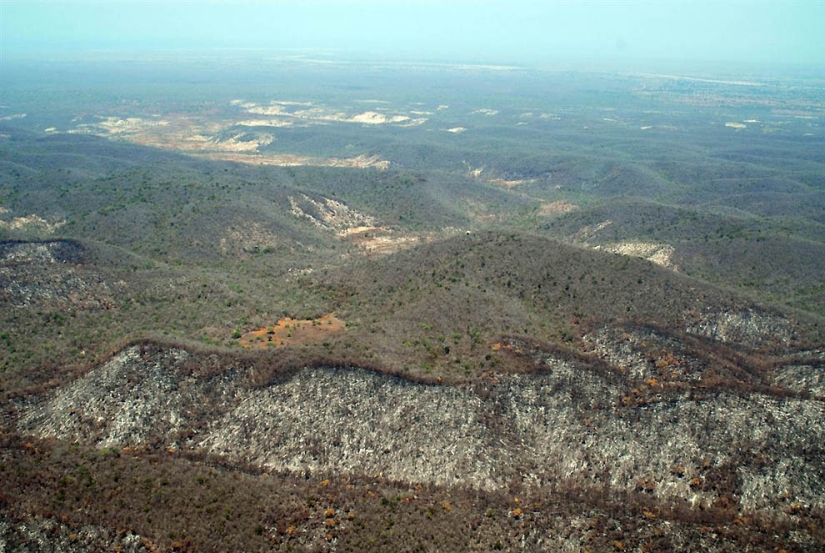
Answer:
(661, 254)
(377, 241)
(116, 125)
(374, 118)
(244, 143)
(268, 110)
(174, 132)
(314, 113)
(264, 123)
(291, 160)
(199, 134)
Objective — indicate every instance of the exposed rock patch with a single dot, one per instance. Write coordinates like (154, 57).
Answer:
(29, 223)
(127, 401)
(803, 378)
(567, 424)
(357, 421)
(329, 214)
(49, 274)
(35, 534)
(747, 327)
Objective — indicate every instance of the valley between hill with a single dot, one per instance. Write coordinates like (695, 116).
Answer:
(585, 313)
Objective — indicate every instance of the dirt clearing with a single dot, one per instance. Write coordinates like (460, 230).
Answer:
(288, 331)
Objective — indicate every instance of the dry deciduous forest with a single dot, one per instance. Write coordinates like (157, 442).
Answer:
(500, 309)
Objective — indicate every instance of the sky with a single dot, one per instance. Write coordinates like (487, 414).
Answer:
(518, 31)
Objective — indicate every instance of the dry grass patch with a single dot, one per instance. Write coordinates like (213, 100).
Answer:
(288, 331)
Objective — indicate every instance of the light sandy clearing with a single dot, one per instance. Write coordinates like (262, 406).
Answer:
(314, 113)
(661, 254)
(264, 123)
(244, 142)
(30, 222)
(374, 118)
(291, 160)
(377, 241)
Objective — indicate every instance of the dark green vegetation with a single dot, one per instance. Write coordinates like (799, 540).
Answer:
(476, 254)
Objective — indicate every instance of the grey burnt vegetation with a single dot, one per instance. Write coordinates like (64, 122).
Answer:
(584, 314)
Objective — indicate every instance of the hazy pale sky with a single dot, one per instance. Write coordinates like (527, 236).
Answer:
(518, 31)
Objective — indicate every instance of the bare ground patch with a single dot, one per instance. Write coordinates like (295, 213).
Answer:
(378, 241)
(661, 254)
(292, 160)
(288, 331)
(203, 136)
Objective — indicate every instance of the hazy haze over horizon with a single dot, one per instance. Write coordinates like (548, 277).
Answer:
(759, 34)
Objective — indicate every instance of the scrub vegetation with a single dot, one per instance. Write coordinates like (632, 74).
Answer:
(310, 314)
